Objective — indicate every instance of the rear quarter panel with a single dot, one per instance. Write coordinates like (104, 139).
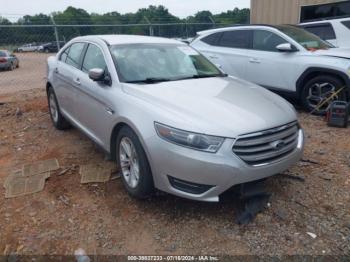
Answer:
(51, 65)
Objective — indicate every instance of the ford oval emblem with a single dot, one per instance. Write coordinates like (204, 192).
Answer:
(278, 145)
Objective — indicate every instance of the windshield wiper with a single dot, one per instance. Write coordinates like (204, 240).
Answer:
(150, 80)
(207, 76)
(203, 76)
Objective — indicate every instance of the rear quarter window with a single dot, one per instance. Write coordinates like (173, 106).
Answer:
(212, 39)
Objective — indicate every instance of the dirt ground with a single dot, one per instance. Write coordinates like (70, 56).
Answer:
(30, 74)
(103, 219)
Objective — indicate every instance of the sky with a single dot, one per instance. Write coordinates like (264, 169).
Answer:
(182, 8)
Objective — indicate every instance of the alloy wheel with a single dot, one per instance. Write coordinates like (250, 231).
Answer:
(319, 93)
(53, 108)
(129, 162)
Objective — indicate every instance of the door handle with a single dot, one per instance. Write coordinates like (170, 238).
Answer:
(213, 57)
(56, 70)
(77, 82)
(254, 60)
(109, 111)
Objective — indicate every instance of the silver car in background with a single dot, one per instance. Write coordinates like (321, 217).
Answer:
(169, 117)
(8, 61)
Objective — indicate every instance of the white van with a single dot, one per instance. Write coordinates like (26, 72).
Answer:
(335, 31)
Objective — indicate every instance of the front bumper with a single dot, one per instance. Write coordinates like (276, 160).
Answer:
(222, 170)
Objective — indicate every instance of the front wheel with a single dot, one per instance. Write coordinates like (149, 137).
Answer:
(11, 67)
(317, 93)
(136, 172)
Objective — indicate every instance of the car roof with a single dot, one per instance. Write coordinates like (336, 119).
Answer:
(238, 26)
(323, 21)
(129, 39)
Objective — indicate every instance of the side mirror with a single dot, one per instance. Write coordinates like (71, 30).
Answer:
(100, 75)
(286, 47)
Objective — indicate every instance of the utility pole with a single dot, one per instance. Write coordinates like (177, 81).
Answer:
(186, 23)
(151, 32)
(213, 21)
(56, 32)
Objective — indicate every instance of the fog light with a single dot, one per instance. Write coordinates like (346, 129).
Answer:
(188, 187)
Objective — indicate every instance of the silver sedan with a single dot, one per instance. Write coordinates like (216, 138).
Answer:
(169, 117)
(8, 61)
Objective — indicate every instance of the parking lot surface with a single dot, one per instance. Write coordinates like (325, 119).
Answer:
(312, 197)
(30, 74)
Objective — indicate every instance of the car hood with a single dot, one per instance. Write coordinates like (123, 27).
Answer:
(217, 106)
(335, 52)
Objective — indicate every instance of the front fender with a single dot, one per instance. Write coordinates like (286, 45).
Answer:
(312, 70)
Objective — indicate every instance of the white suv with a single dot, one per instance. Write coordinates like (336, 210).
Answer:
(285, 58)
(335, 31)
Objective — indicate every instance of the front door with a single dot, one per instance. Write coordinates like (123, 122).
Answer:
(267, 66)
(94, 111)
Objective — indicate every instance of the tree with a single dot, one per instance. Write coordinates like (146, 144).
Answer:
(154, 18)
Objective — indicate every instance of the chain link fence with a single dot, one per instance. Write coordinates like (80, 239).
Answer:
(32, 44)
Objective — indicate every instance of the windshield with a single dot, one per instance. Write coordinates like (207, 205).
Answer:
(308, 40)
(3, 54)
(160, 62)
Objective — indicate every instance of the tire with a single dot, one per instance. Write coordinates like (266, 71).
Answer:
(57, 118)
(46, 50)
(137, 184)
(319, 89)
(11, 67)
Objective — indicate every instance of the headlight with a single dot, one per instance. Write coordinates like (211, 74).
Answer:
(196, 141)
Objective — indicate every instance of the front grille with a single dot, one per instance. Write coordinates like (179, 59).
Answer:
(267, 146)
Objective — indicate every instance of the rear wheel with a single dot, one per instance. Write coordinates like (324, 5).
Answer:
(317, 92)
(57, 118)
(136, 172)
(12, 66)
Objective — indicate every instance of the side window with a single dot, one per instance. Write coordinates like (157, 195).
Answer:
(323, 31)
(346, 23)
(266, 41)
(212, 39)
(93, 59)
(236, 39)
(64, 55)
(74, 55)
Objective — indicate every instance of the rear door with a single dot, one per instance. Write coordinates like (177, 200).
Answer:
(228, 50)
(68, 67)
